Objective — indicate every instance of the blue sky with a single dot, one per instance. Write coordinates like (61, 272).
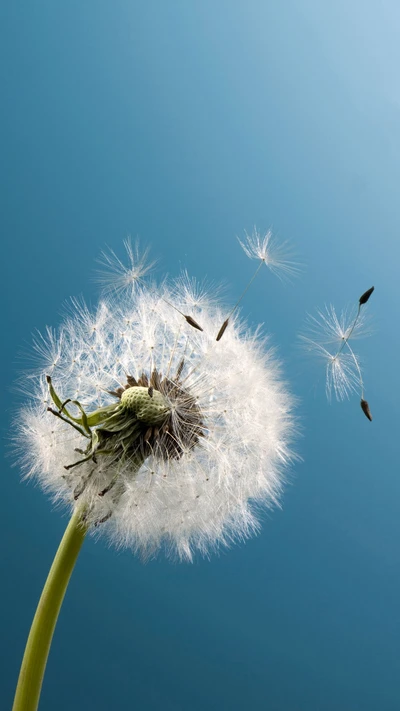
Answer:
(186, 123)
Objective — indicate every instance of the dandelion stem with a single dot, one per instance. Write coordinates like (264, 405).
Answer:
(43, 625)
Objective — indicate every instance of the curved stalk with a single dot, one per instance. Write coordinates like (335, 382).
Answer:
(38, 645)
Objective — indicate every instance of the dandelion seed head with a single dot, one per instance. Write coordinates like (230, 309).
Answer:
(197, 435)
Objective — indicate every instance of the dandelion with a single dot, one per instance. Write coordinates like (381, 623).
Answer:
(328, 337)
(275, 255)
(151, 433)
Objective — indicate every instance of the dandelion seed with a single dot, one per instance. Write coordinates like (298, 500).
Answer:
(275, 256)
(117, 277)
(330, 328)
(193, 295)
(328, 337)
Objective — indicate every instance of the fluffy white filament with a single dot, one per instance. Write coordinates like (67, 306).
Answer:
(276, 255)
(327, 337)
(208, 497)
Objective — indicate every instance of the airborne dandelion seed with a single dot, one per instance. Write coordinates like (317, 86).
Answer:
(275, 255)
(328, 335)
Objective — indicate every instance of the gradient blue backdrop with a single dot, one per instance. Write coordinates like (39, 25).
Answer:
(186, 122)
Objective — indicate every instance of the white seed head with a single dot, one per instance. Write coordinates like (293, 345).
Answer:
(188, 435)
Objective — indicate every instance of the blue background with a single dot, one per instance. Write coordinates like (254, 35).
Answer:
(186, 122)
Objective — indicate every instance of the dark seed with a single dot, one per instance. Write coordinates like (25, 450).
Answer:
(365, 409)
(193, 323)
(107, 488)
(79, 489)
(364, 298)
(222, 330)
(180, 368)
(104, 519)
(116, 393)
(150, 391)
(155, 379)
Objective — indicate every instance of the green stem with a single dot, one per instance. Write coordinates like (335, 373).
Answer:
(41, 633)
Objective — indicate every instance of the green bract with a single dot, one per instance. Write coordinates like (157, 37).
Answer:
(122, 430)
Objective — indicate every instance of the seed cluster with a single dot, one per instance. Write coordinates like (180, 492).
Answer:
(179, 455)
